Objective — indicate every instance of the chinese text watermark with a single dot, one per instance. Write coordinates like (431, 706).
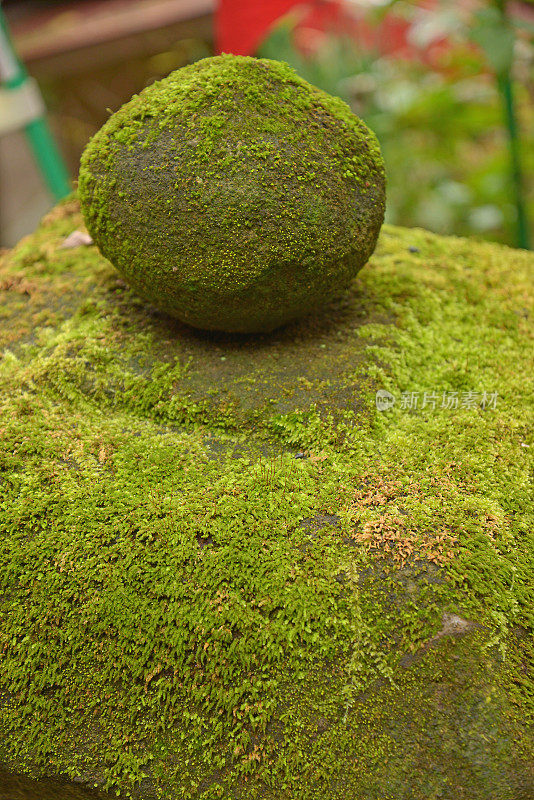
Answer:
(433, 399)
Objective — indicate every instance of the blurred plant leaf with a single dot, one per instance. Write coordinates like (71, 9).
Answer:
(495, 37)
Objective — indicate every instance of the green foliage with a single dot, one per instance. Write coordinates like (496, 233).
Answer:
(495, 38)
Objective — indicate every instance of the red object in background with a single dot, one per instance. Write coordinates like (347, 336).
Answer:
(240, 25)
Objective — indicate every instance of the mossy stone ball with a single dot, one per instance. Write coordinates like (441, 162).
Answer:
(233, 194)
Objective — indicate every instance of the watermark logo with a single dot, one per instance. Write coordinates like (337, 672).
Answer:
(434, 399)
(384, 400)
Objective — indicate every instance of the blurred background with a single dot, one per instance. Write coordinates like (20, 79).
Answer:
(447, 86)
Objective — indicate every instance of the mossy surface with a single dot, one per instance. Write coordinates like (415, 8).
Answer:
(233, 194)
(224, 574)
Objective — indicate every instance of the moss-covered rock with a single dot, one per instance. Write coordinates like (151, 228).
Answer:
(224, 574)
(233, 194)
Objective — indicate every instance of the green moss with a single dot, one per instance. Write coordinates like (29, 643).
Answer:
(222, 194)
(189, 610)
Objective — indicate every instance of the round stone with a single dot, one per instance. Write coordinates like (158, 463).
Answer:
(233, 194)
